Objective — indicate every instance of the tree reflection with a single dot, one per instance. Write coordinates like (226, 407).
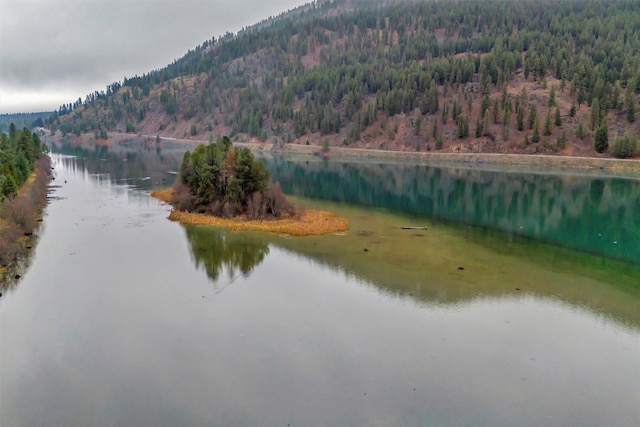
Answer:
(216, 249)
(591, 213)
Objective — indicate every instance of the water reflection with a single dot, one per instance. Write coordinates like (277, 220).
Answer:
(127, 161)
(448, 264)
(110, 327)
(445, 265)
(216, 250)
(596, 214)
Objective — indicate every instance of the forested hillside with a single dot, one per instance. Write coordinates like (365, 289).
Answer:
(482, 76)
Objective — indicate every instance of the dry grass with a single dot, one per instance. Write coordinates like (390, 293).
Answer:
(18, 219)
(309, 223)
(165, 195)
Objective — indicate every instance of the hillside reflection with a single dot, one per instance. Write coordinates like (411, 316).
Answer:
(129, 161)
(599, 215)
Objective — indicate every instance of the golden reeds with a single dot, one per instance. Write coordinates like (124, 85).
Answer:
(308, 223)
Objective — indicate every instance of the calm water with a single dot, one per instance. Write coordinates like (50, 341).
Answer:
(125, 318)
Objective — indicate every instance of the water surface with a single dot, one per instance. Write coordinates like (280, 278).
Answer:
(125, 318)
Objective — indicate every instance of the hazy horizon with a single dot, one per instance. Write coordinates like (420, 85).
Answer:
(56, 51)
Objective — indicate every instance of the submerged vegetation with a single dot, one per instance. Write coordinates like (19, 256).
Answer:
(24, 176)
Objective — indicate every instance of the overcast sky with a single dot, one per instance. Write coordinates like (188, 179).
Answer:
(54, 51)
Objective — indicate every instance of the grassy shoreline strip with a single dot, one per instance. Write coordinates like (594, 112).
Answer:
(308, 223)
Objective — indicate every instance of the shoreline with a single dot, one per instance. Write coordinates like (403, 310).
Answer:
(20, 224)
(308, 223)
(624, 167)
(629, 167)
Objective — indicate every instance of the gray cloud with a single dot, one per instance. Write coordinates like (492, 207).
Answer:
(74, 46)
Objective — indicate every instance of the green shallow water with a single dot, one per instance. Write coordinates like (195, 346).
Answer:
(125, 318)
(444, 264)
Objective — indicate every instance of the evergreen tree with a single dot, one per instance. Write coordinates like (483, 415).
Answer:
(485, 123)
(462, 126)
(496, 111)
(486, 103)
(630, 101)
(601, 139)
(533, 114)
(439, 141)
(520, 116)
(562, 141)
(581, 132)
(626, 146)
(417, 125)
(595, 113)
(445, 112)
(558, 120)
(536, 130)
(548, 126)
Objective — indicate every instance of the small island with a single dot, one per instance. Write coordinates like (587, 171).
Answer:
(222, 186)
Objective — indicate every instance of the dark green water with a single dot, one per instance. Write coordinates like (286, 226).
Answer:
(596, 214)
(125, 318)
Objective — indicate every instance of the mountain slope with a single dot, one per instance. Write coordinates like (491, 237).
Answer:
(493, 76)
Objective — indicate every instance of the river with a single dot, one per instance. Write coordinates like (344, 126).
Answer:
(499, 313)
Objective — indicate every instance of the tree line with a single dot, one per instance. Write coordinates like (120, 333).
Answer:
(19, 151)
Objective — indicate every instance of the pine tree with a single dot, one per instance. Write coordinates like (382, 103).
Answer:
(595, 113)
(445, 113)
(630, 101)
(439, 141)
(580, 132)
(533, 114)
(562, 141)
(462, 126)
(558, 119)
(601, 139)
(478, 132)
(520, 116)
(548, 126)
(485, 123)
(536, 130)
(496, 111)
(486, 103)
